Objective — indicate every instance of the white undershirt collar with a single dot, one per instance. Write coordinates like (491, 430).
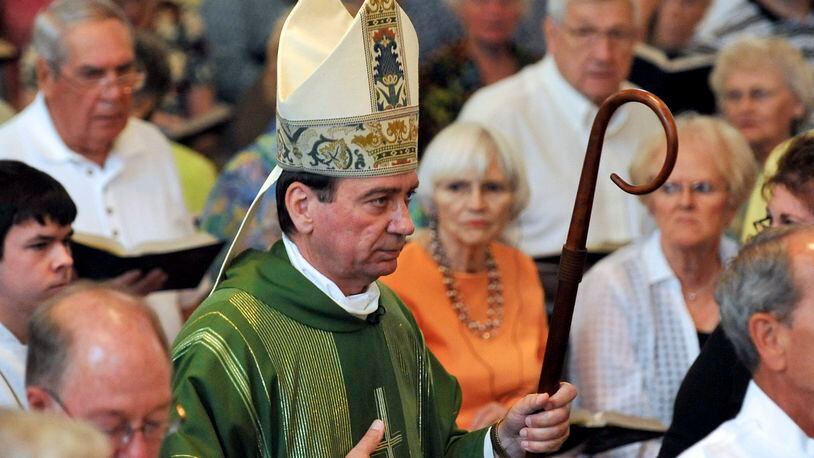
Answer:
(359, 305)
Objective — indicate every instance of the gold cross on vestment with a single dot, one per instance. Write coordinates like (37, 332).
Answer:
(391, 438)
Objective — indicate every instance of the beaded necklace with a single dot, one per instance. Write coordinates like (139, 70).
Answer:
(494, 314)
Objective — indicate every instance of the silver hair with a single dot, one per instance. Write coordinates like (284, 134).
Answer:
(735, 161)
(50, 26)
(556, 9)
(454, 4)
(758, 280)
(761, 54)
(468, 147)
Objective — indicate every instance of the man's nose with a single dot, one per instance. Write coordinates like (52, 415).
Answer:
(401, 223)
(138, 447)
(603, 47)
(62, 257)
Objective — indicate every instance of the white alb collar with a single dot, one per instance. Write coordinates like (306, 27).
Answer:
(359, 305)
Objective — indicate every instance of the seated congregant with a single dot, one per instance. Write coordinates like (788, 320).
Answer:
(99, 355)
(643, 313)
(765, 89)
(715, 385)
(35, 263)
(480, 302)
(767, 311)
(487, 53)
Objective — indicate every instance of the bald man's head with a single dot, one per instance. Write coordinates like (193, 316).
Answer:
(99, 354)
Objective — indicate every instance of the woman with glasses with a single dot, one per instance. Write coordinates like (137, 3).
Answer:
(765, 88)
(790, 191)
(643, 313)
(478, 301)
(715, 385)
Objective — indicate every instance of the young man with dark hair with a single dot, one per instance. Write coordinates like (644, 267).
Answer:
(35, 262)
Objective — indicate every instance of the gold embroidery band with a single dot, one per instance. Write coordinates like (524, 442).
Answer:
(377, 144)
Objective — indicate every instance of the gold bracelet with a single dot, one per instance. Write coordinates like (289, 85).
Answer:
(498, 448)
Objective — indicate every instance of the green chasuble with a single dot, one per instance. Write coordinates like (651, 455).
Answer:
(270, 366)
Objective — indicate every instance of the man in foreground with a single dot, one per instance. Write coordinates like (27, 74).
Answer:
(767, 311)
(300, 349)
(99, 355)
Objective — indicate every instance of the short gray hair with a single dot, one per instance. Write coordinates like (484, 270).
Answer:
(50, 26)
(766, 53)
(454, 4)
(556, 9)
(49, 343)
(468, 146)
(735, 162)
(758, 280)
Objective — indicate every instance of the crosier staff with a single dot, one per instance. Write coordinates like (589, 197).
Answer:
(572, 261)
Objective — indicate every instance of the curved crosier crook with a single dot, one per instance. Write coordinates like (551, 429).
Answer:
(572, 260)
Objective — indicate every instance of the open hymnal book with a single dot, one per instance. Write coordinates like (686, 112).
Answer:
(590, 419)
(185, 261)
(595, 432)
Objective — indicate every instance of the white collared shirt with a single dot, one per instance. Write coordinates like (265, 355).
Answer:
(12, 370)
(550, 122)
(359, 305)
(632, 337)
(761, 429)
(134, 198)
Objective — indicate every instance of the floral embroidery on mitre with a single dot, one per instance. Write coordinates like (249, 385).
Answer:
(389, 88)
(372, 145)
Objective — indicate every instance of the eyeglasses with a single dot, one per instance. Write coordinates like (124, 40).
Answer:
(589, 36)
(755, 95)
(122, 434)
(697, 187)
(769, 221)
(486, 187)
(763, 223)
(127, 77)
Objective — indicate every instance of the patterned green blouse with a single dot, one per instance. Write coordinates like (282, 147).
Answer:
(447, 81)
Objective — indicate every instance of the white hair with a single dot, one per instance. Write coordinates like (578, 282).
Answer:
(469, 147)
(50, 26)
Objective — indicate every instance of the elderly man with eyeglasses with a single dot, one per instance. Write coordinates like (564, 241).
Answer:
(547, 109)
(99, 355)
(119, 170)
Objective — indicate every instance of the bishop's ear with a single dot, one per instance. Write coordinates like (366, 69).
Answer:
(300, 202)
